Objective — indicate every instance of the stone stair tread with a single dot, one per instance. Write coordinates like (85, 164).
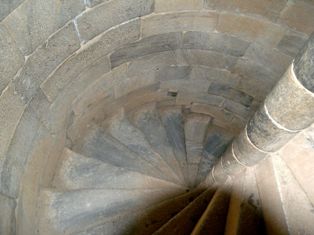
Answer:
(147, 120)
(80, 172)
(70, 211)
(245, 215)
(184, 222)
(213, 220)
(121, 129)
(195, 129)
(172, 120)
(216, 141)
(101, 146)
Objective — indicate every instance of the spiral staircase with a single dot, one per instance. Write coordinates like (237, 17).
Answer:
(156, 117)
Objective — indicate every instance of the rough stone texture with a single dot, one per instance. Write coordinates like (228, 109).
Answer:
(7, 220)
(290, 104)
(35, 20)
(173, 72)
(7, 6)
(265, 134)
(239, 109)
(185, 21)
(250, 28)
(259, 7)
(12, 108)
(304, 65)
(45, 59)
(246, 153)
(11, 59)
(105, 16)
(230, 163)
(291, 43)
(177, 5)
(89, 55)
(216, 88)
(92, 3)
(218, 42)
(299, 15)
(149, 45)
(187, 98)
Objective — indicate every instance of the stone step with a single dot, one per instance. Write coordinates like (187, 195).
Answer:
(147, 120)
(184, 222)
(173, 122)
(142, 221)
(121, 129)
(245, 215)
(102, 146)
(216, 142)
(80, 172)
(286, 207)
(213, 220)
(72, 211)
(195, 129)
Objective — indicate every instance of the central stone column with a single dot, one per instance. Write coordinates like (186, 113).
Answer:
(287, 110)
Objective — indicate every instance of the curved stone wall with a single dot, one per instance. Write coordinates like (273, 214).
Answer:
(65, 64)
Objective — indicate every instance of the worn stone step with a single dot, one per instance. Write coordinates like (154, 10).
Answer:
(184, 222)
(71, 211)
(80, 172)
(173, 122)
(121, 129)
(195, 129)
(213, 220)
(281, 195)
(216, 142)
(147, 120)
(142, 221)
(101, 146)
(245, 215)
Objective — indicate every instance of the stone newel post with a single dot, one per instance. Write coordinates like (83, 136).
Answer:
(288, 109)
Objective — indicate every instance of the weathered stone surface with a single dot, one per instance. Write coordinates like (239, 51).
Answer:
(12, 108)
(92, 3)
(45, 59)
(265, 134)
(89, 55)
(35, 20)
(187, 98)
(230, 163)
(260, 7)
(250, 28)
(304, 65)
(218, 42)
(180, 85)
(173, 73)
(237, 108)
(291, 43)
(271, 59)
(146, 119)
(299, 15)
(11, 59)
(8, 6)
(7, 220)
(25, 138)
(216, 88)
(245, 151)
(177, 5)
(290, 104)
(149, 45)
(177, 22)
(105, 16)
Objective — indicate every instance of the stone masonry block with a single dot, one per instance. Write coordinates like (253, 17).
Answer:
(7, 221)
(45, 59)
(290, 104)
(173, 72)
(291, 43)
(177, 5)
(11, 59)
(105, 16)
(12, 108)
(89, 55)
(177, 22)
(265, 134)
(146, 46)
(218, 42)
(7, 7)
(35, 20)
